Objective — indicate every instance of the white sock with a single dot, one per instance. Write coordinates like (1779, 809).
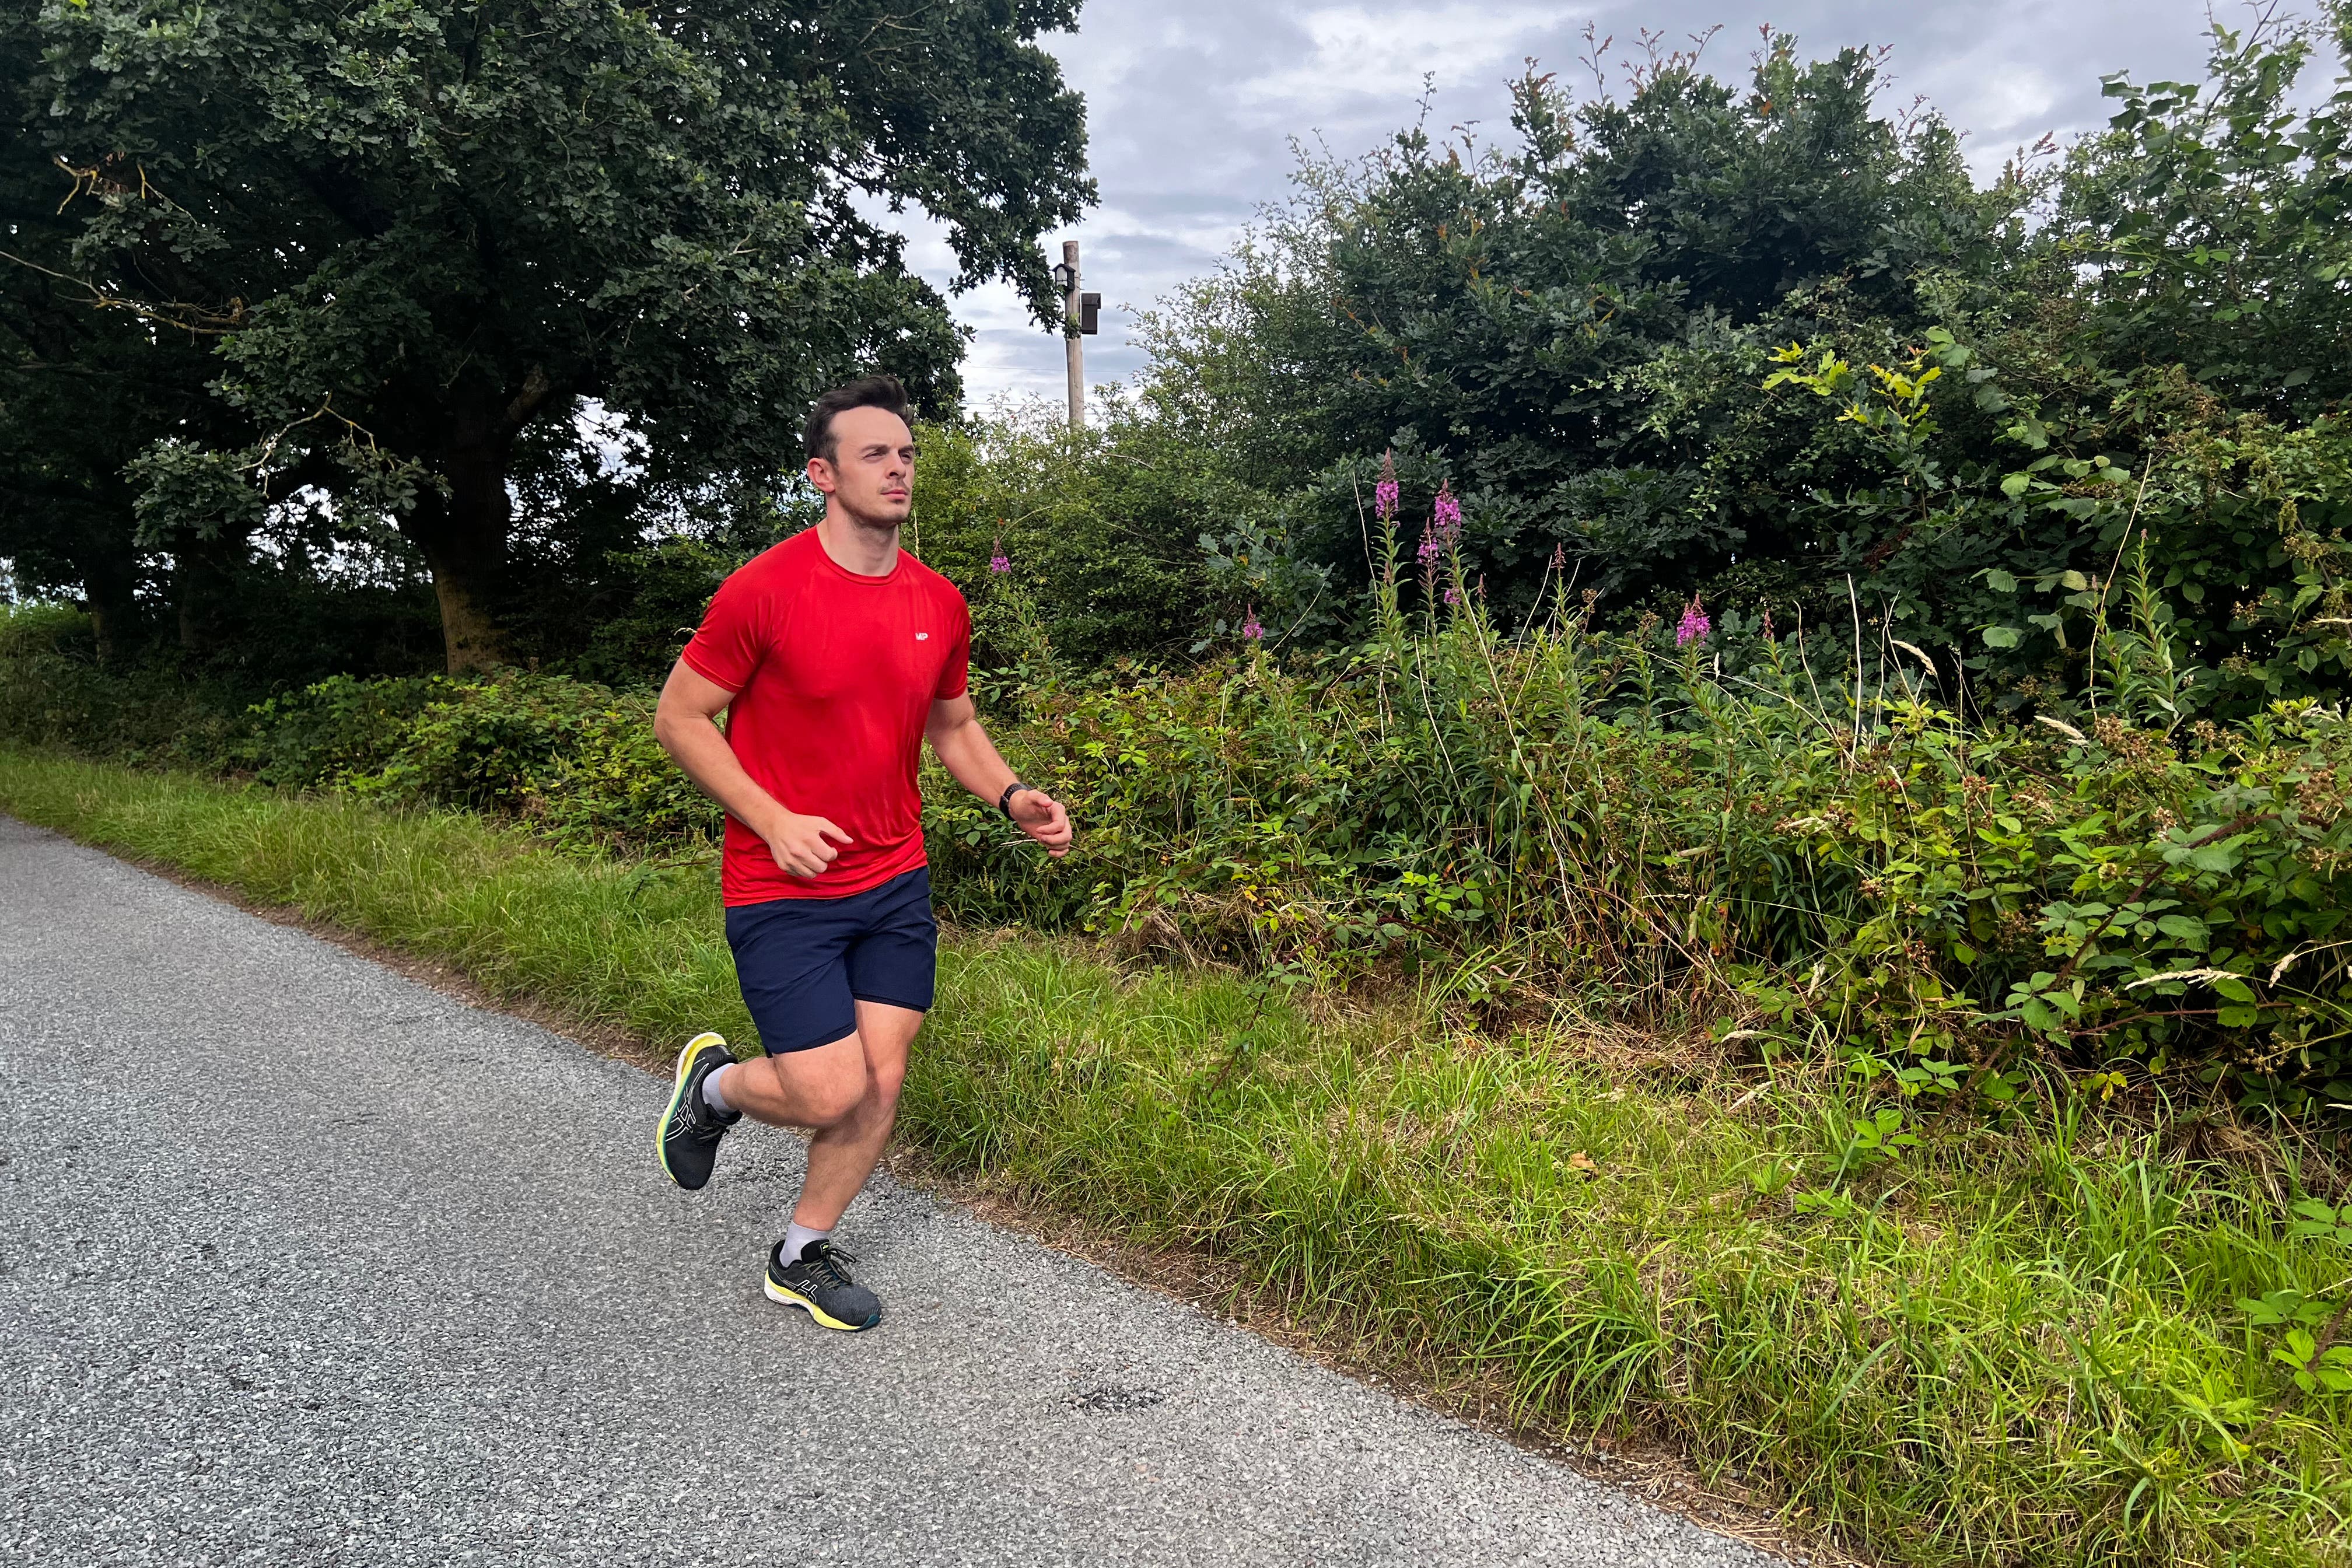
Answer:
(712, 1096)
(798, 1236)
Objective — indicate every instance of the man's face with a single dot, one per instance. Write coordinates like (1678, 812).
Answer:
(872, 473)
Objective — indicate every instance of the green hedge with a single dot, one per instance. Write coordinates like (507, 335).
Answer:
(1559, 817)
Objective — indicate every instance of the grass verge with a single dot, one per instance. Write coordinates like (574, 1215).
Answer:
(2022, 1344)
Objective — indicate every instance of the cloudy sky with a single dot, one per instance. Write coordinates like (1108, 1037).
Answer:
(1193, 106)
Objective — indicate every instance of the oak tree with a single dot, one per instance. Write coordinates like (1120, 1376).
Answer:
(411, 230)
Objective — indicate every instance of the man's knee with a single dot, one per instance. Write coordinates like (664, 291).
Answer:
(885, 1080)
(831, 1101)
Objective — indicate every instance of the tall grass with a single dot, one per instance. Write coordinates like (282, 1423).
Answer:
(2024, 1342)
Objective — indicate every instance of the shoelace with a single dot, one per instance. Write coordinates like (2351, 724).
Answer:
(823, 1266)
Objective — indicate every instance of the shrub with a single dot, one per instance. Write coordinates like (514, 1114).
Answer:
(53, 690)
(1576, 814)
(337, 731)
(577, 760)
(1100, 524)
(1840, 868)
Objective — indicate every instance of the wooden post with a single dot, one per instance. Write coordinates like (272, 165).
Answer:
(1077, 354)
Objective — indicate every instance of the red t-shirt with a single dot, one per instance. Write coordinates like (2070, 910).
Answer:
(833, 676)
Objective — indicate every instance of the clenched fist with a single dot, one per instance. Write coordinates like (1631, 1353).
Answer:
(800, 843)
(1041, 816)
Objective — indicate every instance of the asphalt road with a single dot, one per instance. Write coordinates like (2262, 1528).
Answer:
(302, 1262)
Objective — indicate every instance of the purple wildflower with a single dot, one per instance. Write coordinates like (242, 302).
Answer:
(1250, 628)
(1430, 548)
(1000, 563)
(1384, 494)
(1694, 624)
(1446, 515)
(1453, 596)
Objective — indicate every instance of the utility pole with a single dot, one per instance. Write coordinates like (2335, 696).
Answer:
(1081, 316)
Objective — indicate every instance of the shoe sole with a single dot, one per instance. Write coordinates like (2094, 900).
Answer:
(817, 1314)
(677, 1092)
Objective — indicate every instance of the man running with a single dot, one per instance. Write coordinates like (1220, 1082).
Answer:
(834, 656)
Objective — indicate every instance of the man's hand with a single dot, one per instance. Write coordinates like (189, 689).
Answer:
(799, 845)
(1041, 816)
(965, 750)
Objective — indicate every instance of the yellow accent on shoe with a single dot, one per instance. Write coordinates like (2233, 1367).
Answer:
(678, 1088)
(792, 1297)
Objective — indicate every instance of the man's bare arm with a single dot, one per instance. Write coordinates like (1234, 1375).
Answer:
(684, 725)
(965, 751)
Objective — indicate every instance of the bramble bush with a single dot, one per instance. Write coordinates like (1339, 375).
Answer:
(575, 761)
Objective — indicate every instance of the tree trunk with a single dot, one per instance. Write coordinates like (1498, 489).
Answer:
(463, 536)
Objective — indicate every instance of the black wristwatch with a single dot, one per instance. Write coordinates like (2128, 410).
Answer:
(1005, 801)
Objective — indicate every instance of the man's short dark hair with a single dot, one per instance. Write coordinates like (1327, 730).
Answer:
(881, 391)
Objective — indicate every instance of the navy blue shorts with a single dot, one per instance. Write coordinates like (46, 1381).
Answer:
(803, 963)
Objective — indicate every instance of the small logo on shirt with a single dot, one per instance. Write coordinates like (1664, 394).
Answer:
(922, 636)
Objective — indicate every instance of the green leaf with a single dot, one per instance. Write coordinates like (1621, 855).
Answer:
(2214, 857)
(2235, 989)
(2186, 930)
(2003, 637)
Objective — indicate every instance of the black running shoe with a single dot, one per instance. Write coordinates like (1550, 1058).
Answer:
(690, 1130)
(819, 1283)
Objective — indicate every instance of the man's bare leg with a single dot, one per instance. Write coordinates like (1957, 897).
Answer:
(843, 1155)
(806, 1088)
(846, 1091)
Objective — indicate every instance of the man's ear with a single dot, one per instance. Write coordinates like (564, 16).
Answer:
(820, 474)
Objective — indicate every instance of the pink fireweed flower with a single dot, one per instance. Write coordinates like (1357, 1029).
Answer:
(1384, 494)
(1694, 624)
(1446, 516)
(1453, 596)
(999, 561)
(1430, 548)
(1250, 628)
